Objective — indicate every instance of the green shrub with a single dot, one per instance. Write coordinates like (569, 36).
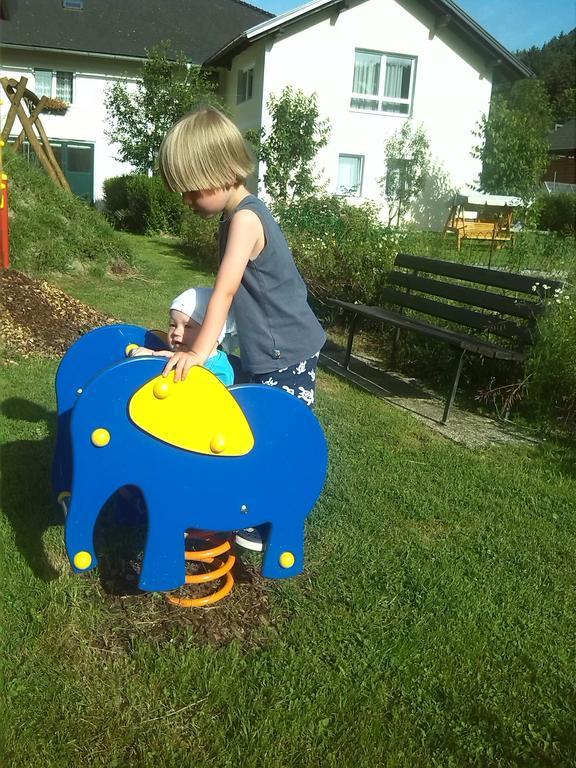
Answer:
(50, 229)
(341, 250)
(556, 212)
(551, 369)
(142, 204)
(201, 235)
(115, 196)
(151, 207)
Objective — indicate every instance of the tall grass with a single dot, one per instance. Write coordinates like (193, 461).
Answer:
(51, 229)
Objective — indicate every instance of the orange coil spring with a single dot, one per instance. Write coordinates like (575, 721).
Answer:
(222, 570)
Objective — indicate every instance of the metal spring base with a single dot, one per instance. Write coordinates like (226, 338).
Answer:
(217, 546)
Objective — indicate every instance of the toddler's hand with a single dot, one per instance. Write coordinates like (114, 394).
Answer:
(140, 351)
(180, 363)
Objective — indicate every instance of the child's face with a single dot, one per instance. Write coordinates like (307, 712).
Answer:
(182, 331)
(207, 202)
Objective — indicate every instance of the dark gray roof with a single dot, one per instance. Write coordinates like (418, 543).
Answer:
(127, 27)
(564, 137)
(447, 13)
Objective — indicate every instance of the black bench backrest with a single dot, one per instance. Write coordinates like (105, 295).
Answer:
(521, 311)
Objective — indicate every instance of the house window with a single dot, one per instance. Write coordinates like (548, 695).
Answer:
(383, 82)
(245, 85)
(350, 172)
(54, 84)
(43, 82)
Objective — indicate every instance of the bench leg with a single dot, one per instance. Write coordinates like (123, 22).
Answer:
(452, 394)
(350, 340)
(395, 342)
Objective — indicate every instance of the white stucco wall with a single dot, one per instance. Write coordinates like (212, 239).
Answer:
(85, 120)
(451, 89)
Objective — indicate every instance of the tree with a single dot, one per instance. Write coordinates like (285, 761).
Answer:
(513, 144)
(289, 149)
(140, 115)
(555, 65)
(408, 163)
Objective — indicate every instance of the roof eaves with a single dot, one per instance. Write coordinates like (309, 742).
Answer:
(286, 19)
(265, 28)
(472, 26)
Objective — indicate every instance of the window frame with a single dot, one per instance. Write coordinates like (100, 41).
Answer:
(380, 97)
(361, 158)
(54, 83)
(247, 93)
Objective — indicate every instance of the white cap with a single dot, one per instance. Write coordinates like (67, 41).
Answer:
(194, 303)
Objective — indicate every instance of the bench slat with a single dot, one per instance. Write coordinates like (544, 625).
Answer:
(460, 340)
(493, 277)
(478, 320)
(472, 296)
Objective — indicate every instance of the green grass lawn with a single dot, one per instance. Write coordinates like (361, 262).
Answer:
(433, 626)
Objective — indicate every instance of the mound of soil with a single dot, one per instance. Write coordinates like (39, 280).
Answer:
(37, 318)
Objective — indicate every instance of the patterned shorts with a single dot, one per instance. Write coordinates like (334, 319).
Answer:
(299, 379)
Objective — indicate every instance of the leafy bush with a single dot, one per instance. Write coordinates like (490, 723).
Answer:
(556, 212)
(201, 235)
(551, 369)
(342, 250)
(142, 204)
(115, 196)
(153, 208)
(50, 229)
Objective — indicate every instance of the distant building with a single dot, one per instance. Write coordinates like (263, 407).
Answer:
(562, 166)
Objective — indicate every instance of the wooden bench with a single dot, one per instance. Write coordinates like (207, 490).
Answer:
(494, 312)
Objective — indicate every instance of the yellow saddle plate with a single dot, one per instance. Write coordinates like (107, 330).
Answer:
(198, 414)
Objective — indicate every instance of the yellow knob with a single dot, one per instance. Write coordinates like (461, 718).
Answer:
(218, 443)
(100, 437)
(62, 496)
(82, 560)
(287, 559)
(161, 389)
(129, 349)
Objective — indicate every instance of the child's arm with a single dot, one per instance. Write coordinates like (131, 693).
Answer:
(245, 241)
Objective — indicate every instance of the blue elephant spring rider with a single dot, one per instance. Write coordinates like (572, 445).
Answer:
(120, 423)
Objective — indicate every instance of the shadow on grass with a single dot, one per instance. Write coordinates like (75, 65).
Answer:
(26, 486)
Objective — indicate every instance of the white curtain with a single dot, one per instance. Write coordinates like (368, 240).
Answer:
(366, 73)
(349, 175)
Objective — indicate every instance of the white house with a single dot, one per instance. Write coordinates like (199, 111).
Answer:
(73, 49)
(372, 63)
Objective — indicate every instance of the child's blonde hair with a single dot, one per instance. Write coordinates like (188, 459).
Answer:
(204, 150)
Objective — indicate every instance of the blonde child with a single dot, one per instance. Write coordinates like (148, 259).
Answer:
(185, 322)
(205, 159)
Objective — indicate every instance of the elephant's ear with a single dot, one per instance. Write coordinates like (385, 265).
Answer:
(198, 414)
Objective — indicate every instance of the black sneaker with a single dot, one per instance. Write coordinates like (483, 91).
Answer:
(249, 538)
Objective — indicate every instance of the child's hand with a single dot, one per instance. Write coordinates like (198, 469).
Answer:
(140, 351)
(180, 363)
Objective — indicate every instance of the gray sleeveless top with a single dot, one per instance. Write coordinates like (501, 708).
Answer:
(276, 327)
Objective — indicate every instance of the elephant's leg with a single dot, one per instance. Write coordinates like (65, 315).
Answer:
(164, 565)
(284, 555)
(86, 501)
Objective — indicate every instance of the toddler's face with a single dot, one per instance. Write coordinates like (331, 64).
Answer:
(182, 331)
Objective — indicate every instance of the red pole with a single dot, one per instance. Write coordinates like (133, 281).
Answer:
(4, 239)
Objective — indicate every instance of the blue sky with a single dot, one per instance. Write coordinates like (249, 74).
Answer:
(514, 23)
